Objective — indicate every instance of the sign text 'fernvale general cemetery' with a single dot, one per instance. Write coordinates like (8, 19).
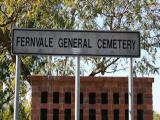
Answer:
(65, 42)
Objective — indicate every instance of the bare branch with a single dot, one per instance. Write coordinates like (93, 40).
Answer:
(101, 68)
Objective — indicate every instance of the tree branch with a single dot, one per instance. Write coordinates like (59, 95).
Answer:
(101, 68)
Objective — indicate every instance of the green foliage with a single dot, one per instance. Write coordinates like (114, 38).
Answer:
(136, 15)
(7, 113)
(156, 116)
(25, 110)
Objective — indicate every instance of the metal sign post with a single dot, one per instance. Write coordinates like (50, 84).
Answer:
(77, 89)
(130, 90)
(16, 99)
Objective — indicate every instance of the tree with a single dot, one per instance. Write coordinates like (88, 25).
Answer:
(126, 15)
(30, 14)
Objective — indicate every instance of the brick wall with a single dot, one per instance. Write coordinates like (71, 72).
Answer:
(97, 85)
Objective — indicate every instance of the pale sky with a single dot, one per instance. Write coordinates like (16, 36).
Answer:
(156, 94)
(156, 86)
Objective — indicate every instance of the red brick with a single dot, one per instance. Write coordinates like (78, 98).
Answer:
(98, 85)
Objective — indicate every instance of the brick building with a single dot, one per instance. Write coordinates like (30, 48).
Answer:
(101, 98)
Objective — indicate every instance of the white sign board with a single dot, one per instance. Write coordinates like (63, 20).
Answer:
(85, 43)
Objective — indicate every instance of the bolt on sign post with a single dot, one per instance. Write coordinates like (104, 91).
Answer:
(77, 43)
